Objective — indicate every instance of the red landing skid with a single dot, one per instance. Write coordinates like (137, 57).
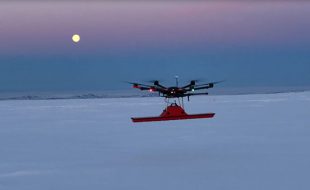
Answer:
(173, 112)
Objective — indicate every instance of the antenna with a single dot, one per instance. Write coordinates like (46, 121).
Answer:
(177, 80)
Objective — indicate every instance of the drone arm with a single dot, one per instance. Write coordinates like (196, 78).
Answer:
(203, 87)
(191, 85)
(144, 88)
(159, 86)
(197, 94)
(211, 84)
(206, 86)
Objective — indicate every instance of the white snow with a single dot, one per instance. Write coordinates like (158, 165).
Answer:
(254, 142)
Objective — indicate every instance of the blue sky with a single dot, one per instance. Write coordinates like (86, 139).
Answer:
(248, 43)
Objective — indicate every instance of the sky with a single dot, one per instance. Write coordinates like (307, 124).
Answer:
(248, 43)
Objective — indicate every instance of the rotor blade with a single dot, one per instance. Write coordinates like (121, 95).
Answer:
(198, 80)
(210, 83)
(156, 83)
(153, 81)
(191, 84)
(206, 86)
(139, 84)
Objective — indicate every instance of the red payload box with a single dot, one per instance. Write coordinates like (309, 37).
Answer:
(173, 112)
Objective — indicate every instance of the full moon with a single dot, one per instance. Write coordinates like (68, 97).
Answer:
(76, 38)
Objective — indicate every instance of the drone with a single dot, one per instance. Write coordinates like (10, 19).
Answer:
(174, 111)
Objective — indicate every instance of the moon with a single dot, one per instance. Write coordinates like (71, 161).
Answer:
(76, 38)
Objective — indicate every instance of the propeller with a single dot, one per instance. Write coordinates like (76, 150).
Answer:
(138, 84)
(197, 80)
(211, 84)
(155, 82)
(193, 82)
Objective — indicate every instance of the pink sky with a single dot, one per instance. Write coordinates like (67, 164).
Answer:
(48, 26)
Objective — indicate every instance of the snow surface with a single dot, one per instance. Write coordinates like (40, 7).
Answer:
(254, 142)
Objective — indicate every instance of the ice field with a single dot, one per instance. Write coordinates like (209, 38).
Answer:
(254, 142)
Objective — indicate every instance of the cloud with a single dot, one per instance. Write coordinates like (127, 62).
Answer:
(20, 173)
